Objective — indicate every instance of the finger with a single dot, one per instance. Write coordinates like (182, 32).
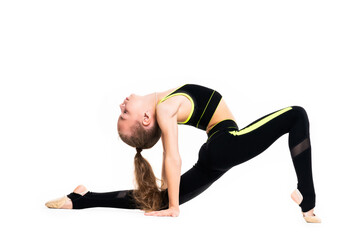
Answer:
(165, 214)
(153, 213)
(159, 213)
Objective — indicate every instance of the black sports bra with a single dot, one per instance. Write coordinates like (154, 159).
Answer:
(204, 103)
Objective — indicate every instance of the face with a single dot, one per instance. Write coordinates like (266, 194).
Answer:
(131, 112)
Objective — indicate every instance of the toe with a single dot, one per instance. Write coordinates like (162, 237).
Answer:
(56, 203)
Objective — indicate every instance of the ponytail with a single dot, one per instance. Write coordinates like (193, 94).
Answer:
(147, 195)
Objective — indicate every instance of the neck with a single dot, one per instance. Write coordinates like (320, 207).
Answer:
(152, 100)
(155, 103)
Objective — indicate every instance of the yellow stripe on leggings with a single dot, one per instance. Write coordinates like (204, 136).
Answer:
(260, 123)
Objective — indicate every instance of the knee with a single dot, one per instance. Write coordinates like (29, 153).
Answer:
(300, 112)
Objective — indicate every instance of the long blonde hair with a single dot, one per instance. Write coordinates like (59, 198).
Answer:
(147, 194)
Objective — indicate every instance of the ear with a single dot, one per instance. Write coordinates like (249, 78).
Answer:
(146, 119)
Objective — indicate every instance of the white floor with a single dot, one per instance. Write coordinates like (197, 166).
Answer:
(66, 66)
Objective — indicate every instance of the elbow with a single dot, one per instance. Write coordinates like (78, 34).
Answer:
(174, 160)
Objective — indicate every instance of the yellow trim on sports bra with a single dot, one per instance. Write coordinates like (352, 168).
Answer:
(179, 94)
(215, 112)
(169, 95)
(259, 123)
(197, 125)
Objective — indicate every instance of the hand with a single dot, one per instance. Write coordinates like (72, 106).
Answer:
(170, 212)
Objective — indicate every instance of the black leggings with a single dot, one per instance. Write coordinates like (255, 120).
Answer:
(225, 148)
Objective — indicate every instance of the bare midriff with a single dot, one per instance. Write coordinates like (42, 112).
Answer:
(222, 113)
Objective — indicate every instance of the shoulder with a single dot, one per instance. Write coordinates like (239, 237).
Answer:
(167, 109)
(166, 117)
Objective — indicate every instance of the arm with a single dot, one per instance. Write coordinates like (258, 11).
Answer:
(163, 174)
(172, 163)
(167, 121)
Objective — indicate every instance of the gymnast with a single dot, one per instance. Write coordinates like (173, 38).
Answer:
(146, 119)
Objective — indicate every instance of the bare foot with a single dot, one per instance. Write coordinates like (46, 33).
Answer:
(65, 202)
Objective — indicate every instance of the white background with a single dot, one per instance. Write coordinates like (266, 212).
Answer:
(65, 66)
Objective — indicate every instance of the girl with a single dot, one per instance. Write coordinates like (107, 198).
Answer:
(146, 119)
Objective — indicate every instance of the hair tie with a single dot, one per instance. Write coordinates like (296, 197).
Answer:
(138, 150)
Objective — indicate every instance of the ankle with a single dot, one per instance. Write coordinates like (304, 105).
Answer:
(309, 213)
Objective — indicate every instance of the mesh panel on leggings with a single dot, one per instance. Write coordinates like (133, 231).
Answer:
(305, 144)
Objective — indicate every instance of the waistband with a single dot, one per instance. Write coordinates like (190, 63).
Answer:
(222, 126)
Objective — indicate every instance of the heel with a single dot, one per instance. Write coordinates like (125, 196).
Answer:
(297, 197)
